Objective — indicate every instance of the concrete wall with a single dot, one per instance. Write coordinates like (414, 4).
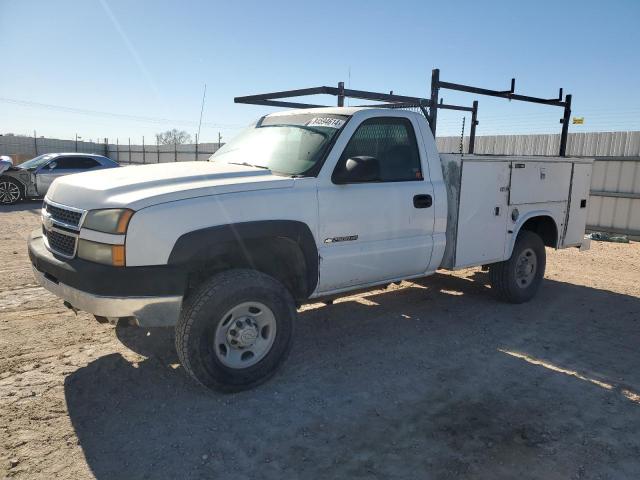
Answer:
(161, 154)
(24, 148)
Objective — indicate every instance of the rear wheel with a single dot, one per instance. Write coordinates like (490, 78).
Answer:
(517, 280)
(236, 330)
(10, 191)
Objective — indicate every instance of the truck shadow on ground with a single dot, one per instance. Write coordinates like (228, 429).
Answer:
(387, 385)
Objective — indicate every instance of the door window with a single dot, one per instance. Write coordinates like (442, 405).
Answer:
(392, 142)
(75, 163)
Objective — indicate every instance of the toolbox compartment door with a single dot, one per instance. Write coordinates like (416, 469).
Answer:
(578, 205)
(482, 215)
(539, 182)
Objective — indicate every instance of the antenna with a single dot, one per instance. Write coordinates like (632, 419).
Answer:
(204, 94)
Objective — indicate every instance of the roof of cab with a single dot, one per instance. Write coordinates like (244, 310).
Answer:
(331, 110)
(76, 154)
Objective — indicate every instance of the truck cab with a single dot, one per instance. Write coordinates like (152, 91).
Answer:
(304, 204)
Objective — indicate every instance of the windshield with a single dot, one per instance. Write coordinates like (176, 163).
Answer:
(285, 144)
(36, 162)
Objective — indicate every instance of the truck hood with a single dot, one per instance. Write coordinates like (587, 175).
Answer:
(140, 186)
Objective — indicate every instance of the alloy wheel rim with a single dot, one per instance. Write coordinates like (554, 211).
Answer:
(245, 335)
(9, 192)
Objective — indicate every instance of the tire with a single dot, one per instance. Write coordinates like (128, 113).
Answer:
(235, 306)
(517, 280)
(10, 191)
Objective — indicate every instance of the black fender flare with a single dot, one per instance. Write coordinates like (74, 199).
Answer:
(195, 248)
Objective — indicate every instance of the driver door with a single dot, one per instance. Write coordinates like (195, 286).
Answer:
(58, 167)
(373, 231)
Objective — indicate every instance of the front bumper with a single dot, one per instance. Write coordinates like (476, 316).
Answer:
(153, 295)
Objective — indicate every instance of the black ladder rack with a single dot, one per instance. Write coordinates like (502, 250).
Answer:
(392, 100)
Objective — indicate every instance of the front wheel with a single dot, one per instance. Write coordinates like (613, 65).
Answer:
(10, 191)
(236, 330)
(517, 280)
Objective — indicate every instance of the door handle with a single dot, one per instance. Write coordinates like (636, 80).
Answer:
(422, 201)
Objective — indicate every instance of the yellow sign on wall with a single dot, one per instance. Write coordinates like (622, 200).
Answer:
(578, 120)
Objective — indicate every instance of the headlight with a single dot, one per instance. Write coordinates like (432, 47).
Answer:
(101, 253)
(110, 220)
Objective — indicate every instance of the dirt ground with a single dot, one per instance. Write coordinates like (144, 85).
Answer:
(433, 379)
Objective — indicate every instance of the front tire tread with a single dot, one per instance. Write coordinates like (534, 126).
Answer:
(219, 287)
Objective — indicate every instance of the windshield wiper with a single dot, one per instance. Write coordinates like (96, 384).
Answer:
(245, 164)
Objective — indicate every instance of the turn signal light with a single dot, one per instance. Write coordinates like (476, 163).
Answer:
(117, 255)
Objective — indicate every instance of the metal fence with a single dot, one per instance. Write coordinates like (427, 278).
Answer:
(21, 148)
(144, 154)
(595, 144)
(614, 204)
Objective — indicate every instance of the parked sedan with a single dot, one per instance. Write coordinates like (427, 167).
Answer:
(33, 178)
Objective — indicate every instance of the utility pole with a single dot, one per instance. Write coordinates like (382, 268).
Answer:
(219, 140)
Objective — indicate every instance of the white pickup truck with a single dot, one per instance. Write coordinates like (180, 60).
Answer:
(304, 204)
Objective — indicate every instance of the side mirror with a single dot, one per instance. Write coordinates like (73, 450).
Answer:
(52, 165)
(359, 170)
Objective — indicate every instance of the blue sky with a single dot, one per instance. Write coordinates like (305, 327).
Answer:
(151, 59)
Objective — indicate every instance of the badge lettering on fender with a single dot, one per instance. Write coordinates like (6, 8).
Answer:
(349, 238)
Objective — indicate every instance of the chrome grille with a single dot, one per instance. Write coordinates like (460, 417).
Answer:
(60, 226)
(60, 242)
(64, 215)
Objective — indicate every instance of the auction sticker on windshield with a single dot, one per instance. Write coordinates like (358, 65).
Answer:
(325, 122)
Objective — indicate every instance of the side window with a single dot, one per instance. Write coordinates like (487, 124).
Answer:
(75, 163)
(61, 163)
(392, 142)
(86, 163)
